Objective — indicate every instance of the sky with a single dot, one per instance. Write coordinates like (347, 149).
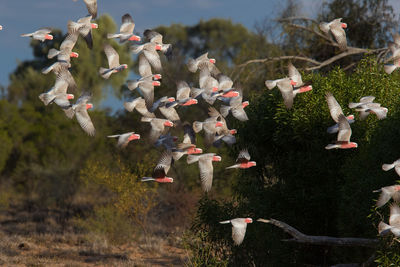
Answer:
(24, 16)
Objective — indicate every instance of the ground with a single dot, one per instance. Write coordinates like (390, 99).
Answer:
(32, 237)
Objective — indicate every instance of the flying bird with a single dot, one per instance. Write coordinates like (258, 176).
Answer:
(41, 34)
(202, 62)
(394, 222)
(395, 165)
(65, 52)
(140, 105)
(206, 168)
(239, 226)
(387, 193)
(285, 86)
(394, 48)
(343, 137)
(336, 28)
(243, 161)
(126, 30)
(335, 110)
(80, 109)
(236, 106)
(161, 170)
(157, 127)
(188, 145)
(124, 139)
(113, 62)
(84, 26)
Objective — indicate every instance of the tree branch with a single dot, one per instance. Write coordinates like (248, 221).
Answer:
(321, 240)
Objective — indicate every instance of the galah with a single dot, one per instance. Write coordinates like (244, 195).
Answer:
(41, 34)
(126, 30)
(124, 139)
(343, 137)
(113, 62)
(243, 161)
(387, 193)
(206, 168)
(84, 26)
(336, 28)
(160, 171)
(335, 110)
(239, 226)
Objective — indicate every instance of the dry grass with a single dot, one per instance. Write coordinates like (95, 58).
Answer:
(48, 238)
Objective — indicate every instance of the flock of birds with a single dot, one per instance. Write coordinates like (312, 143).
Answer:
(213, 85)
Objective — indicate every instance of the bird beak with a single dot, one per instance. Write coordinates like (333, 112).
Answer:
(89, 106)
(135, 38)
(158, 47)
(48, 37)
(215, 89)
(344, 25)
(231, 94)
(94, 25)
(248, 220)
(245, 104)
(212, 60)
(74, 54)
(233, 131)
(70, 96)
(171, 99)
(219, 124)
(156, 83)
(293, 83)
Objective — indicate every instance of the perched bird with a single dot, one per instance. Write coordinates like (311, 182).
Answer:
(41, 34)
(80, 109)
(285, 86)
(387, 193)
(243, 161)
(336, 28)
(161, 170)
(394, 222)
(395, 165)
(84, 26)
(140, 105)
(236, 106)
(65, 52)
(126, 30)
(336, 110)
(124, 139)
(343, 137)
(239, 226)
(157, 127)
(91, 7)
(113, 62)
(206, 168)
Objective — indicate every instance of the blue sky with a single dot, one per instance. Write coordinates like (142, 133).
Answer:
(23, 16)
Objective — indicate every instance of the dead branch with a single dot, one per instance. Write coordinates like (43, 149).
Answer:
(321, 240)
(316, 64)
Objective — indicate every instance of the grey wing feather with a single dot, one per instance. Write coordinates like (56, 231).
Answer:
(344, 129)
(206, 172)
(334, 107)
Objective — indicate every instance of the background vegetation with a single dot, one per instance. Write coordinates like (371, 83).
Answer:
(47, 162)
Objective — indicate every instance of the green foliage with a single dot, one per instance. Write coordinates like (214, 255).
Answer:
(298, 181)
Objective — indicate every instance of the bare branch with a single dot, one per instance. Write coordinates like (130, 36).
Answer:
(272, 59)
(321, 240)
(330, 41)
